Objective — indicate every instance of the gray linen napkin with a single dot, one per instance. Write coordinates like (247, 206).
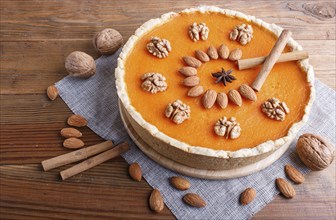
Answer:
(96, 99)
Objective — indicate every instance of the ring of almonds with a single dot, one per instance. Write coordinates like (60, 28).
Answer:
(178, 111)
(210, 97)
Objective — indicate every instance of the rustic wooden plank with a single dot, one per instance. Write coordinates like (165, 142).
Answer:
(79, 20)
(96, 193)
(101, 193)
(32, 143)
(32, 108)
(315, 199)
(30, 67)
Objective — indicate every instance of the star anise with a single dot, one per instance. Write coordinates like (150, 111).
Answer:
(224, 76)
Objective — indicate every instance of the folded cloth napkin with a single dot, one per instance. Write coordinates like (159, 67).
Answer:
(96, 99)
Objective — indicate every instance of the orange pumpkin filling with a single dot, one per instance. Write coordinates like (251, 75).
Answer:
(287, 82)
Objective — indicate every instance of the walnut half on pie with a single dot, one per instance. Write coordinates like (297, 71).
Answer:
(194, 142)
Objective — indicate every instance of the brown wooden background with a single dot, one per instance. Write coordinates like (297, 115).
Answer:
(37, 35)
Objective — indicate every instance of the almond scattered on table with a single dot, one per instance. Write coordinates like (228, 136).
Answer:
(71, 132)
(194, 200)
(77, 121)
(286, 189)
(52, 92)
(293, 174)
(135, 172)
(73, 143)
(247, 196)
(156, 203)
(179, 183)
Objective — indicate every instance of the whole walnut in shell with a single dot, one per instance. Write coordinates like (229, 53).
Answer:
(107, 41)
(315, 152)
(80, 64)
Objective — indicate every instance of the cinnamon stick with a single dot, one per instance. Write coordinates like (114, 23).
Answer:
(94, 161)
(284, 57)
(75, 156)
(271, 59)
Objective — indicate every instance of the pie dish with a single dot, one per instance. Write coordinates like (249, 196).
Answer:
(194, 142)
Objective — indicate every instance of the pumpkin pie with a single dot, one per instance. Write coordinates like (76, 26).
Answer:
(173, 119)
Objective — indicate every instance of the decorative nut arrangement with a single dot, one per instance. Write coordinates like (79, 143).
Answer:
(275, 109)
(235, 97)
(153, 82)
(159, 47)
(212, 53)
(242, 33)
(177, 111)
(236, 54)
(191, 81)
(188, 71)
(247, 92)
(223, 51)
(80, 64)
(222, 100)
(210, 96)
(195, 91)
(202, 56)
(316, 152)
(107, 41)
(198, 31)
(191, 61)
(227, 128)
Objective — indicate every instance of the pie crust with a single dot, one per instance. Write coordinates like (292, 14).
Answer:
(195, 156)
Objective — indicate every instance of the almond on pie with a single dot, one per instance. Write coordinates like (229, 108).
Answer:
(194, 142)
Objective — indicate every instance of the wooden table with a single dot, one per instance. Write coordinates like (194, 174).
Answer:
(36, 36)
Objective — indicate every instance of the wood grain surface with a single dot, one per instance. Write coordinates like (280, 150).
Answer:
(35, 38)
